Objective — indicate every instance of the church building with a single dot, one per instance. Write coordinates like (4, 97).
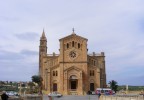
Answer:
(73, 71)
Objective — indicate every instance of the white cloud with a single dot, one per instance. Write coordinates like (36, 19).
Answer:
(28, 36)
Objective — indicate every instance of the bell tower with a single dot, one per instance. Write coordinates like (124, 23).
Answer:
(43, 44)
(42, 50)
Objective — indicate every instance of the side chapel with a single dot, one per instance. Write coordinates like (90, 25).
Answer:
(73, 71)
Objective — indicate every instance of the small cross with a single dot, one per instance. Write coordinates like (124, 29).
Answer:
(73, 30)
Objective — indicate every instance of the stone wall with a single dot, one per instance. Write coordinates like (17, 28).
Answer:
(122, 97)
(26, 98)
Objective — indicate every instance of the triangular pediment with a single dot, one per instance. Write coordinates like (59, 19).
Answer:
(73, 68)
(73, 36)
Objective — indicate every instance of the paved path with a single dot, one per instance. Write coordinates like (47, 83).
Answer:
(73, 97)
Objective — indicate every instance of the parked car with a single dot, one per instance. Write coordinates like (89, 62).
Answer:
(55, 94)
(12, 93)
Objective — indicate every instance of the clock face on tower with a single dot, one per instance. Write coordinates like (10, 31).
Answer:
(73, 54)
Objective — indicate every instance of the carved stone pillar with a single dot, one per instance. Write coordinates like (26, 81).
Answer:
(49, 81)
(65, 84)
(80, 84)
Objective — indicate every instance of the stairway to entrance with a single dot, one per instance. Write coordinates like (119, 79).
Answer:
(73, 93)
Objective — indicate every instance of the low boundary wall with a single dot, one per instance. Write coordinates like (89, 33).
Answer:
(122, 97)
(26, 98)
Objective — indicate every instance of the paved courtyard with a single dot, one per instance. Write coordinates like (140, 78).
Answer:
(73, 97)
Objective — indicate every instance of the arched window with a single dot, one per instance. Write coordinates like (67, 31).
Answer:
(53, 73)
(78, 45)
(56, 73)
(72, 43)
(67, 45)
(90, 73)
(93, 73)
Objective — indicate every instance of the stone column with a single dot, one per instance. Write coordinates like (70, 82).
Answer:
(49, 80)
(80, 84)
(65, 84)
(98, 78)
(61, 82)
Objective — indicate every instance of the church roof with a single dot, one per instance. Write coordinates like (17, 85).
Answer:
(73, 34)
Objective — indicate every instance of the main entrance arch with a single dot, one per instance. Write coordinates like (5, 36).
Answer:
(73, 83)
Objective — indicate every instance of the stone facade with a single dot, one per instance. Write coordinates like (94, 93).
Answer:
(73, 70)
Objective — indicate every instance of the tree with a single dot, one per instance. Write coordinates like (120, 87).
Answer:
(31, 84)
(113, 85)
(2, 83)
(38, 79)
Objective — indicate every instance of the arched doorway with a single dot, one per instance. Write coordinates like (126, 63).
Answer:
(54, 86)
(92, 86)
(73, 83)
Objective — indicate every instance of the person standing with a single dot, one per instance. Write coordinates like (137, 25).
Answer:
(99, 96)
(4, 96)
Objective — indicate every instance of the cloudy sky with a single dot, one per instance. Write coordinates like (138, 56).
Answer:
(115, 27)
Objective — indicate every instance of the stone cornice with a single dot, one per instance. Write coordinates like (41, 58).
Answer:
(74, 62)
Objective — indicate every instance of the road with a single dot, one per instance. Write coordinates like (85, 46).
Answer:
(73, 97)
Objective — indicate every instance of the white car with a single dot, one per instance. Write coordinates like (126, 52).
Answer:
(55, 94)
(11, 93)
